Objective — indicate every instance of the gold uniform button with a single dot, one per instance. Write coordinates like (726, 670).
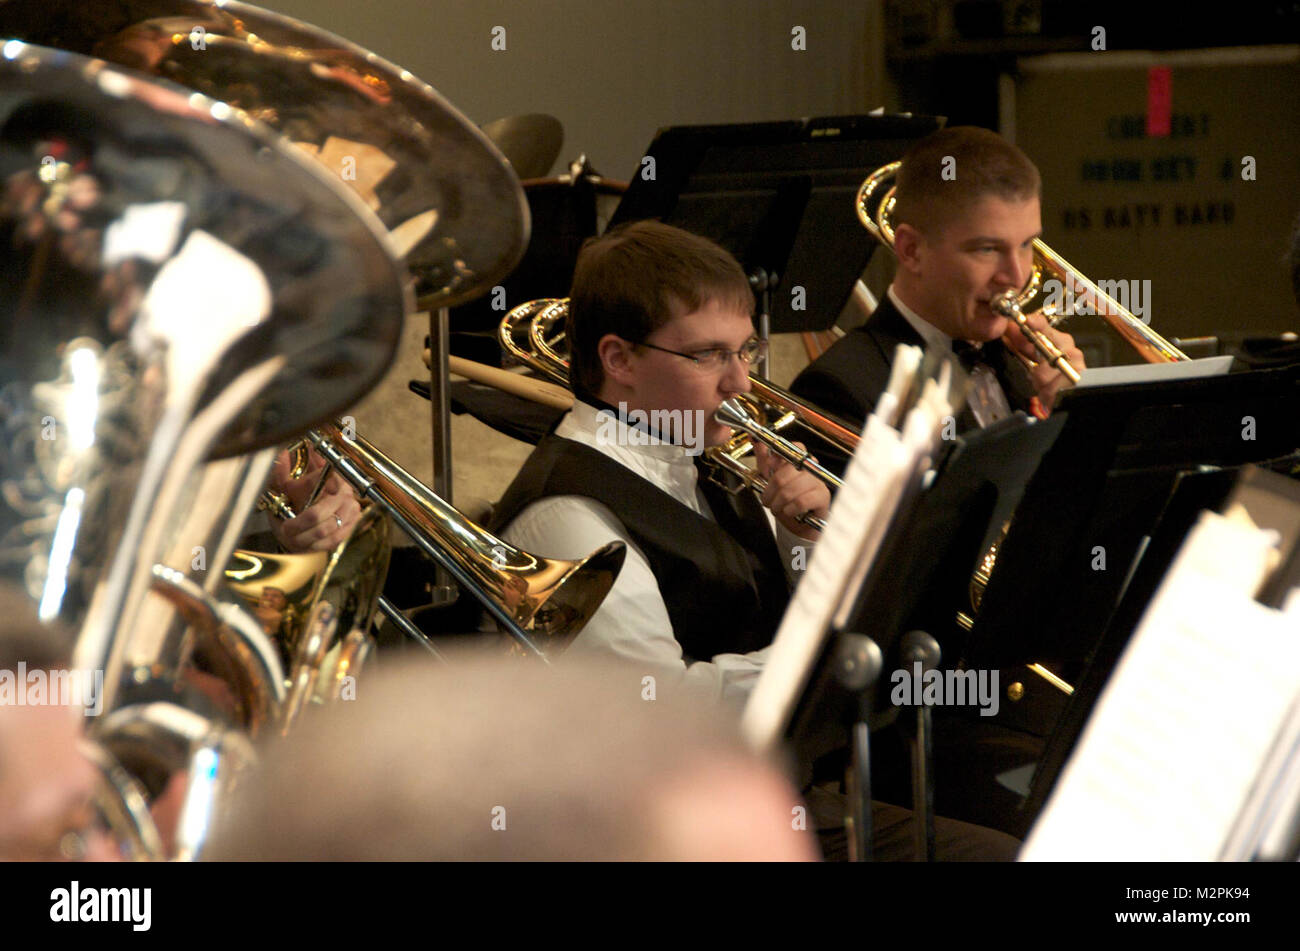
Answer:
(1015, 691)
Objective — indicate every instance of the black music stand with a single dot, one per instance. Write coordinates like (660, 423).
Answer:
(927, 557)
(1104, 515)
(780, 196)
(1104, 485)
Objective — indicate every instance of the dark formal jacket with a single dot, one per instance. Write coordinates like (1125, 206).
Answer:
(849, 377)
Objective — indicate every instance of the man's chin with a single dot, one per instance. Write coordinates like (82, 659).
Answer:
(987, 325)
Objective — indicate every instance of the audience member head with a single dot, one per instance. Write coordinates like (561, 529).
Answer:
(46, 782)
(511, 761)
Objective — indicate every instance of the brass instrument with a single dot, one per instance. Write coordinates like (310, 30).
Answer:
(123, 807)
(875, 204)
(127, 377)
(287, 594)
(543, 355)
(735, 414)
(517, 324)
(549, 598)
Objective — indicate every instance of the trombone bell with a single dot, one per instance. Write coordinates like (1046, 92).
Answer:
(551, 597)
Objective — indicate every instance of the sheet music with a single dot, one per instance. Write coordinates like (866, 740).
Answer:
(1182, 733)
(1155, 372)
(882, 468)
(878, 459)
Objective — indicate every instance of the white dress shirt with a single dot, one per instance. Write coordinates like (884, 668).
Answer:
(988, 400)
(632, 622)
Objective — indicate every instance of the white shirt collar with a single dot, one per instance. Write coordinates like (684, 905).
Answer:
(668, 466)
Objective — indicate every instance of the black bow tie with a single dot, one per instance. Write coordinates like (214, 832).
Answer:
(967, 353)
(990, 354)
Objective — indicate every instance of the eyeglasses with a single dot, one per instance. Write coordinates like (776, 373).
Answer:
(753, 350)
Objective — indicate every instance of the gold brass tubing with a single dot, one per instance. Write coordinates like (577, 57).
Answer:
(1052, 679)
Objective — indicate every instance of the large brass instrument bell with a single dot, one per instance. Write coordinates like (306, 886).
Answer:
(181, 286)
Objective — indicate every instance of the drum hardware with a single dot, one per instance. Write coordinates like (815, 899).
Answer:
(531, 142)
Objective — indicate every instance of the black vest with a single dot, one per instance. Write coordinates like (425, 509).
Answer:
(722, 582)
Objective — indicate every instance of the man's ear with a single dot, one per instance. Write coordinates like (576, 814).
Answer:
(907, 247)
(615, 355)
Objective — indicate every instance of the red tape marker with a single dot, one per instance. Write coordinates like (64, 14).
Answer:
(1160, 98)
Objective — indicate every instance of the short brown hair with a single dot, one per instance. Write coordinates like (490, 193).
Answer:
(635, 278)
(421, 763)
(983, 164)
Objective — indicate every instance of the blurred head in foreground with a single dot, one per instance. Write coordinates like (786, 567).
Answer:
(493, 760)
(46, 782)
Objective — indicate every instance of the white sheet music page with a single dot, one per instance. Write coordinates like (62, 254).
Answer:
(878, 459)
(879, 474)
(1183, 729)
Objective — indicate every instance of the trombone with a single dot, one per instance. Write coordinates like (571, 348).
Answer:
(537, 320)
(875, 206)
(530, 597)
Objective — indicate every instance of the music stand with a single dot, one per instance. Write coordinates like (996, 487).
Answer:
(780, 196)
(1100, 491)
(1105, 514)
(927, 555)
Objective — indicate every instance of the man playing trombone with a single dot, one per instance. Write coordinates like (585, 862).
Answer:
(966, 214)
(965, 219)
(661, 332)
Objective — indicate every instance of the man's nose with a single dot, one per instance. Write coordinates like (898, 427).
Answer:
(1015, 269)
(736, 378)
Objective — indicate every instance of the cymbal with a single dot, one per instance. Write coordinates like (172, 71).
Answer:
(531, 142)
(451, 201)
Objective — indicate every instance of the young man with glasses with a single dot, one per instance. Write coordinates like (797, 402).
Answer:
(661, 332)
